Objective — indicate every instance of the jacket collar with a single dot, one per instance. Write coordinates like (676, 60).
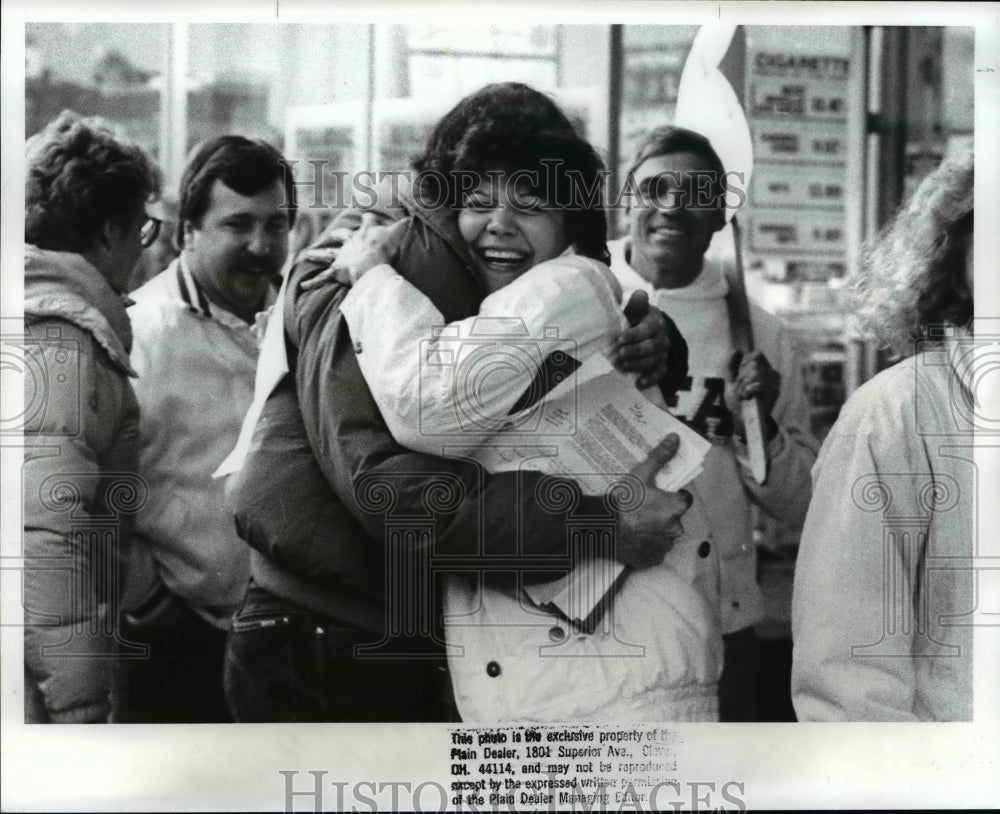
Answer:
(441, 220)
(66, 286)
(190, 291)
(452, 286)
(193, 295)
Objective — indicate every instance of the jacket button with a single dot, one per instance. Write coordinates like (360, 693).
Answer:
(557, 634)
(493, 669)
(357, 347)
(704, 549)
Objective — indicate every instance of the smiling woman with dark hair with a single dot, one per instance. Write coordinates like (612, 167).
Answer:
(565, 308)
(341, 619)
(515, 131)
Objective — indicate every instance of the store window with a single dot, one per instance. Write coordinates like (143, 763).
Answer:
(352, 97)
(363, 98)
(111, 70)
(404, 78)
(653, 59)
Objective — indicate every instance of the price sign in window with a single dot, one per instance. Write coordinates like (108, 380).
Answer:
(797, 105)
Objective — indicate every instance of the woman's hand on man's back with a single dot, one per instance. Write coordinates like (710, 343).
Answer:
(375, 242)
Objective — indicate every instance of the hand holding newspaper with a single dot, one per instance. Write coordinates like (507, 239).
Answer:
(606, 427)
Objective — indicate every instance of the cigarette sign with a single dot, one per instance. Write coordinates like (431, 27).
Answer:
(806, 66)
(795, 232)
(802, 142)
(797, 106)
(801, 99)
(797, 187)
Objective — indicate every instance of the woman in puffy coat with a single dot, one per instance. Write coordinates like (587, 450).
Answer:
(85, 228)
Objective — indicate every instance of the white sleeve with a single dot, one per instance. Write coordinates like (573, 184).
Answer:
(840, 604)
(570, 301)
(438, 384)
(456, 383)
(434, 383)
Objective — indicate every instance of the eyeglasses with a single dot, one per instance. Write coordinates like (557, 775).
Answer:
(150, 231)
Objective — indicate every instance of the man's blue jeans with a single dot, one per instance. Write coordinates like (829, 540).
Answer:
(286, 663)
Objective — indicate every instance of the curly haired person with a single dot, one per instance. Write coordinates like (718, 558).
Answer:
(85, 228)
(877, 616)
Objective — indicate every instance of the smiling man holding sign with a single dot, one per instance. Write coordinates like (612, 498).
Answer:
(681, 211)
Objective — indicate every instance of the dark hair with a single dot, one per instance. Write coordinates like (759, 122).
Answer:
(512, 128)
(81, 175)
(246, 166)
(668, 139)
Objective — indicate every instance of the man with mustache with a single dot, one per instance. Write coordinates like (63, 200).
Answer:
(680, 182)
(195, 351)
